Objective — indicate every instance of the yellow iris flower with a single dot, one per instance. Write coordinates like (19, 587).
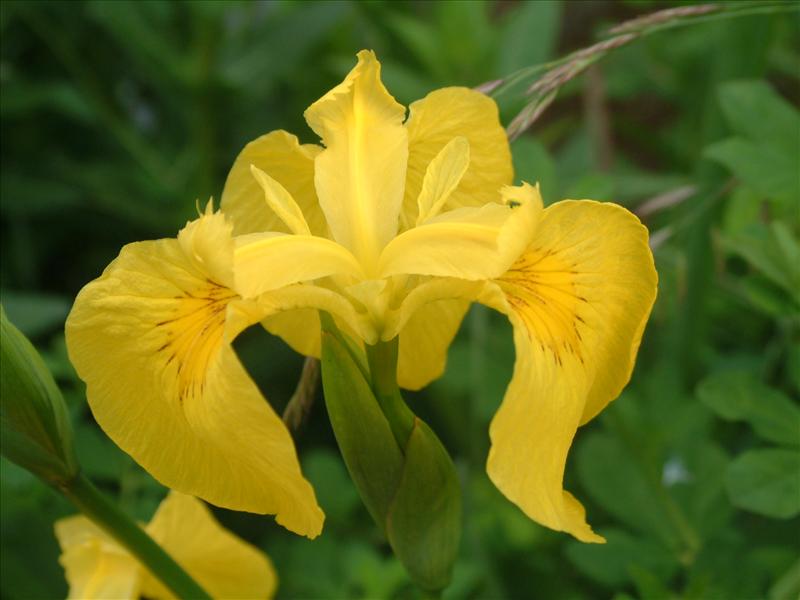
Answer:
(98, 568)
(393, 226)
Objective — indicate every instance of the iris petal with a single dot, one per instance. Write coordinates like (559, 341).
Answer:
(151, 339)
(96, 567)
(578, 299)
(291, 164)
(433, 122)
(359, 176)
(224, 565)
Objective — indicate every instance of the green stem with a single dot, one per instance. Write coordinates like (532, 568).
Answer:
(382, 359)
(84, 495)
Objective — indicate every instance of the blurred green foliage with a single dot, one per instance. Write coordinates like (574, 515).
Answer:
(117, 116)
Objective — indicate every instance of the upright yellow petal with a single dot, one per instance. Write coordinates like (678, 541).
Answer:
(443, 175)
(360, 174)
(578, 299)
(432, 123)
(281, 202)
(151, 339)
(467, 243)
(300, 329)
(281, 156)
(223, 564)
(97, 568)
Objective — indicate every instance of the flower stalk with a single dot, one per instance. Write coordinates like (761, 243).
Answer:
(382, 359)
(107, 515)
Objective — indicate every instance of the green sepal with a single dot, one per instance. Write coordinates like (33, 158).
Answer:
(36, 431)
(424, 523)
(365, 438)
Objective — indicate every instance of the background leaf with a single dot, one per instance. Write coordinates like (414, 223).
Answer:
(739, 396)
(766, 482)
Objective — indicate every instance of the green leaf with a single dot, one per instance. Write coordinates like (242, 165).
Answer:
(740, 396)
(764, 166)
(648, 584)
(131, 26)
(772, 250)
(529, 35)
(466, 37)
(701, 493)
(599, 186)
(24, 97)
(788, 585)
(766, 482)
(421, 41)
(793, 364)
(613, 479)
(424, 522)
(611, 564)
(742, 207)
(765, 297)
(754, 110)
(365, 438)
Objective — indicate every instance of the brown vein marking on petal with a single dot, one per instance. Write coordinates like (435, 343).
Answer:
(192, 335)
(542, 289)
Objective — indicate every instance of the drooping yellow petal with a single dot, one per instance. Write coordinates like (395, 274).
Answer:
(578, 299)
(96, 567)
(424, 342)
(360, 174)
(281, 202)
(467, 243)
(443, 175)
(223, 564)
(427, 320)
(300, 328)
(433, 122)
(281, 156)
(151, 339)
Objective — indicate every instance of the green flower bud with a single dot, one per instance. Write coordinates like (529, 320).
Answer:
(402, 471)
(36, 431)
